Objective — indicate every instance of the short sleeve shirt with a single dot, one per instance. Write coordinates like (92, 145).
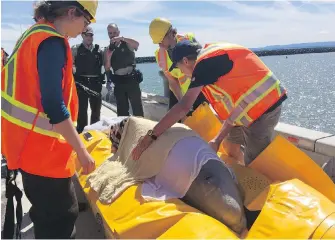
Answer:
(209, 70)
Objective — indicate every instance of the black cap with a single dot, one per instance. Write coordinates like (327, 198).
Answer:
(183, 49)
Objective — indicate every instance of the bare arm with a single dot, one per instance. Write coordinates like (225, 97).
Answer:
(132, 43)
(178, 111)
(107, 59)
(67, 130)
(226, 127)
(162, 62)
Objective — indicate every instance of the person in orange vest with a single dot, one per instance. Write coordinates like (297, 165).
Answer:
(39, 107)
(165, 35)
(4, 57)
(242, 90)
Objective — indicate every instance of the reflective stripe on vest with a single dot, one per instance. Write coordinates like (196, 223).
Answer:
(26, 116)
(226, 101)
(11, 71)
(253, 96)
(215, 47)
(68, 104)
(9, 77)
(19, 113)
(246, 101)
(238, 109)
(164, 60)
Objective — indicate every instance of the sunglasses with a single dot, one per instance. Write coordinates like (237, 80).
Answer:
(87, 19)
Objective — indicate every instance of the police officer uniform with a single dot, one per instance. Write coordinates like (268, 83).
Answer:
(126, 79)
(89, 79)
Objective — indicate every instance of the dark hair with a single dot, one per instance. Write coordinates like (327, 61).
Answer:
(194, 57)
(50, 10)
(174, 31)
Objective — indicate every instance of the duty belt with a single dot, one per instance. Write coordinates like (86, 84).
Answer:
(89, 79)
(87, 90)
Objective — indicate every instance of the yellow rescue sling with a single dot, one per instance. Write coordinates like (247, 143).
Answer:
(294, 210)
(280, 161)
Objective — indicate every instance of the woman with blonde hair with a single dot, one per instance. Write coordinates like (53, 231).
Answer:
(39, 110)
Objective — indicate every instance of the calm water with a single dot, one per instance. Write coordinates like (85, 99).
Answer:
(309, 79)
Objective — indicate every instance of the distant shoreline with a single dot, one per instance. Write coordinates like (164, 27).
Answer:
(263, 53)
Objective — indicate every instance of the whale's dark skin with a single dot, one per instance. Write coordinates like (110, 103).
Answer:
(215, 193)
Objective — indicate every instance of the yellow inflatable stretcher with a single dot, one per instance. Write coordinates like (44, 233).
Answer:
(130, 217)
(308, 212)
(280, 161)
(290, 209)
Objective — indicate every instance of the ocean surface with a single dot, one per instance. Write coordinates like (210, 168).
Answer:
(308, 78)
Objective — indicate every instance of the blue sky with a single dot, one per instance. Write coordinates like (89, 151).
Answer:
(250, 23)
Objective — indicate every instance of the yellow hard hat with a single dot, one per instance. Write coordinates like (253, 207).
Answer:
(90, 7)
(158, 29)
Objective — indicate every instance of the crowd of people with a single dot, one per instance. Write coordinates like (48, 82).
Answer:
(44, 110)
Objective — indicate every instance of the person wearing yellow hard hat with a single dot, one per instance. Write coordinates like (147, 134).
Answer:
(165, 35)
(39, 107)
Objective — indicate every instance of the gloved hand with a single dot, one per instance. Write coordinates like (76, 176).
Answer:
(109, 86)
(103, 81)
(102, 78)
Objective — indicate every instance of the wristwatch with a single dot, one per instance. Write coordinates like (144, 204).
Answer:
(151, 134)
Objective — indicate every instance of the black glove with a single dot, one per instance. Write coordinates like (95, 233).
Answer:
(102, 78)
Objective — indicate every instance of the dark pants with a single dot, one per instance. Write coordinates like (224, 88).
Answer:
(215, 193)
(95, 104)
(54, 207)
(173, 100)
(125, 92)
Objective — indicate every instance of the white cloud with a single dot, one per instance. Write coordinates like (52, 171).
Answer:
(129, 10)
(280, 24)
(324, 32)
(253, 25)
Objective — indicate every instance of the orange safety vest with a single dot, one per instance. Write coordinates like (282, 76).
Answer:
(28, 140)
(247, 91)
(164, 61)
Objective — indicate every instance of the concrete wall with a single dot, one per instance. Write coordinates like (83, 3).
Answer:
(319, 146)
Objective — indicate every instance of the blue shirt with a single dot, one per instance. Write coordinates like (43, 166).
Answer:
(51, 59)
